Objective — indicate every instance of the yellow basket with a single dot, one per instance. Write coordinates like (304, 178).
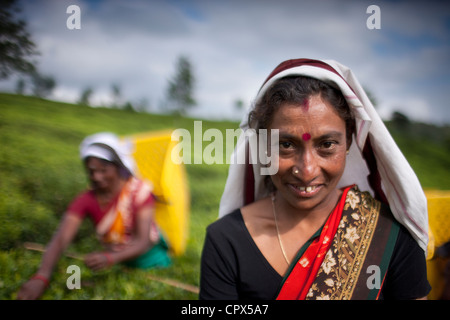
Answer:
(153, 158)
(439, 231)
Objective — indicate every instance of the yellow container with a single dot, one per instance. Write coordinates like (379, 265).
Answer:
(153, 158)
(439, 231)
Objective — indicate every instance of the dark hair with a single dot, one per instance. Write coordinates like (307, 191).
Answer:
(296, 89)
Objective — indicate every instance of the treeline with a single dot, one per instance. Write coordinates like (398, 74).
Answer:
(401, 125)
(18, 54)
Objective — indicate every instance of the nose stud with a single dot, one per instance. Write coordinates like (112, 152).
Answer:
(295, 170)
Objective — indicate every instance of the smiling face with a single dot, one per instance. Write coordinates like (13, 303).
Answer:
(103, 175)
(312, 152)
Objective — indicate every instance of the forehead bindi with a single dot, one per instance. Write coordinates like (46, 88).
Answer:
(319, 119)
(306, 136)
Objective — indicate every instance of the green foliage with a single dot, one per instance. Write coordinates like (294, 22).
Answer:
(40, 173)
(427, 150)
(16, 45)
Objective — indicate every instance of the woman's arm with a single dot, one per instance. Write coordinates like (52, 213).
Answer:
(35, 287)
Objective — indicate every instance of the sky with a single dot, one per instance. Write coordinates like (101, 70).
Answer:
(234, 45)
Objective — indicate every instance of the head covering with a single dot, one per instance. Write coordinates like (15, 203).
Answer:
(107, 146)
(374, 163)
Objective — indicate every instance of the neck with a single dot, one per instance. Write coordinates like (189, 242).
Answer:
(111, 191)
(315, 217)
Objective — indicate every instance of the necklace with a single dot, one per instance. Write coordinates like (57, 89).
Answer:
(278, 231)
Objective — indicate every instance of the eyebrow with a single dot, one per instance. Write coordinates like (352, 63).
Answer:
(329, 135)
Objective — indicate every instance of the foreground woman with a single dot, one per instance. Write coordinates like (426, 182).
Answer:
(121, 207)
(323, 226)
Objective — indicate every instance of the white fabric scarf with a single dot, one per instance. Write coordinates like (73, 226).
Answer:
(398, 181)
(122, 148)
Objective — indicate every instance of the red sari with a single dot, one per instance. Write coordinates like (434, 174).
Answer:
(345, 243)
(300, 278)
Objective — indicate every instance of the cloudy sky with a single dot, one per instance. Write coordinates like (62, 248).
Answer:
(234, 45)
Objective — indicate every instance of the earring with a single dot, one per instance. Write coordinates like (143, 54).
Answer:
(348, 151)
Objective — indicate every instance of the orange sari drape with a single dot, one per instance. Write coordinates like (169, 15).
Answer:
(116, 227)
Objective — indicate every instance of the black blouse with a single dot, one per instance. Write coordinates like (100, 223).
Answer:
(233, 267)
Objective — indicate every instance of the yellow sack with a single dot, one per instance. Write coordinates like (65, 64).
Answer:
(439, 233)
(153, 159)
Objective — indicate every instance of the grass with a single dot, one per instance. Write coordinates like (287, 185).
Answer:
(40, 173)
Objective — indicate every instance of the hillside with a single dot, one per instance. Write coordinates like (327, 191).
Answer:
(40, 173)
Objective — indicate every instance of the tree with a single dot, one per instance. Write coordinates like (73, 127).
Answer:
(238, 104)
(116, 95)
(16, 46)
(180, 90)
(20, 86)
(42, 85)
(85, 96)
(400, 119)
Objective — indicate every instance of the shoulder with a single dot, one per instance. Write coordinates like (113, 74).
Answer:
(407, 274)
(224, 238)
(83, 199)
(229, 233)
(82, 204)
(240, 220)
(226, 225)
(86, 194)
(363, 199)
(405, 243)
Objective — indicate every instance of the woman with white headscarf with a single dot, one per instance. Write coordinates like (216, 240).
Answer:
(121, 207)
(344, 216)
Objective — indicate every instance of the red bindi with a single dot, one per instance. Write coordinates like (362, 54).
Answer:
(306, 136)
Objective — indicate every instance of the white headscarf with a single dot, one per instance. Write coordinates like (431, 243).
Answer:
(373, 151)
(108, 146)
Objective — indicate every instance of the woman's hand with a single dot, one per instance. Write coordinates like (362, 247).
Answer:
(99, 260)
(32, 289)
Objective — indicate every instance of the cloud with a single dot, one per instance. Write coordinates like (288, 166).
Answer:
(234, 45)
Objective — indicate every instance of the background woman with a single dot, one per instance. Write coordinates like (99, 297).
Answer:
(121, 207)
